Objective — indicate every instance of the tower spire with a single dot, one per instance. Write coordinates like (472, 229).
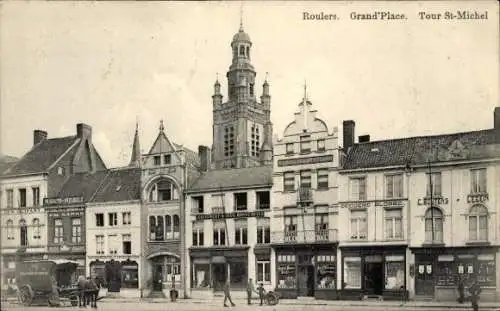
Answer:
(241, 17)
(305, 90)
(135, 158)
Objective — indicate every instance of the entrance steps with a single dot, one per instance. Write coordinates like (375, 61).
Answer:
(156, 294)
(373, 297)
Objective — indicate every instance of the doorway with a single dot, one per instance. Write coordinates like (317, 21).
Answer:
(219, 276)
(306, 281)
(157, 277)
(424, 278)
(374, 280)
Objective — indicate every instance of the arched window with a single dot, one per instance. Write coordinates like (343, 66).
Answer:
(162, 190)
(176, 226)
(242, 50)
(23, 232)
(433, 216)
(152, 228)
(159, 228)
(478, 223)
(168, 226)
(10, 229)
(248, 51)
(36, 229)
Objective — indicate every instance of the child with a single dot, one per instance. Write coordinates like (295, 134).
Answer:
(261, 292)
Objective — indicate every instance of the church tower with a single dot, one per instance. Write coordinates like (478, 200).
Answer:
(242, 129)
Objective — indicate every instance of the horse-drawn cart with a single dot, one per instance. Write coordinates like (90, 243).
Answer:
(47, 282)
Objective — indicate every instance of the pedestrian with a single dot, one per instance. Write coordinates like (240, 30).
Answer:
(93, 288)
(261, 291)
(82, 298)
(227, 294)
(475, 290)
(250, 290)
(461, 291)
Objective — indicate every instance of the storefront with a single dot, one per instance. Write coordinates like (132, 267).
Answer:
(438, 271)
(115, 275)
(211, 267)
(306, 271)
(377, 271)
(166, 271)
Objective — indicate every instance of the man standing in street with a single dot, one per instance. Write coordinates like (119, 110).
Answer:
(250, 289)
(227, 294)
(81, 291)
(475, 290)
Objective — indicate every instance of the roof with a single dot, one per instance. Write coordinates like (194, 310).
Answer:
(418, 150)
(6, 162)
(241, 35)
(120, 184)
(42, 156)
(191, 156)
(83, 184)
(233, 178)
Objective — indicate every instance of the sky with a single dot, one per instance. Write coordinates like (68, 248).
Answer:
(110, 64)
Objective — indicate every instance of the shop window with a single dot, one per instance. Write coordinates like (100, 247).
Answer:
(10, 229)
(288, 181)
(36, 229)
(305, 179)
(127, 244)
(286, 271)
(130, 275)
(198, 235)
(98, 270)
(434, 182)
(433, 225)
(394, 272)
(263, 271)
(478, 223)
(326, 272)
(290, 228)
(240, 234)
(445, 272)
(394, 224)
(99, 220)
(263, 231)
(10, 198)
(478, 181)
(322, 178)
(172, 270)
(76, 230)
(357, 189)
(58, 231)
(321, 145)
(394, 186)
(99, 243)
(352, 272)
(127, 218)
(240, 200)
(289, 148)
(36, 195)
(486, 270)
(22, 197)
(113, 219)
(263, 199)
(305, 144)
(359, 224)
(201, 275)
(238, 274)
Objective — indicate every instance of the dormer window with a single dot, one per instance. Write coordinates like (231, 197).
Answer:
(60, 170)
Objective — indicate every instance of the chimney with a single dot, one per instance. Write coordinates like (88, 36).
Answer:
(204, 154)
(364, 139)
(348, 131)
(38, 136)
(84, 131)
(496, 118)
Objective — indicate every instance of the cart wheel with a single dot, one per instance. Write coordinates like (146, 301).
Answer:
(25, 296)
(272, 300)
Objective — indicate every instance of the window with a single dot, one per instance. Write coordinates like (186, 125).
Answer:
(288, 181)
(36, 229)
(10, 198)
(168, 159)
(127, 244)
(99, 220)
(433, 225)
(240, 232)
(289, 148)
(240, 200)
(478, 223)
(152, 228)
(23, 232)
(436, 184)
(157, 160)
(10, 230)
(76, 230)
(198, 237)
(394, 186)
(305, 144)
(229, 140)
(305, 179)
(160, 227)
(126, 218)
(36, 196)
(394, 272)
(177, 229)
(352, 272)
(201, 276)
(359, 225)
(99, 243)
(326, 275)
(112, 244)
(321, 227)
(113, 219)
(172, 270)
(321, 145)
(322, 178)
(251, 89)
(286, 271)
(60, 170)
(357, 188)
(478, 180)
(394, 224)
(263, 231)
(199, 206)
(242, 50)
(263, 199)
(290, 228)
(168, 227)
(255, 141)
(22, 197)
(58, 231)
(263, 271)
(219, 237)
(164, 191)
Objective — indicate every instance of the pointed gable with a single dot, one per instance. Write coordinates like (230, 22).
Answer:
(162, 145)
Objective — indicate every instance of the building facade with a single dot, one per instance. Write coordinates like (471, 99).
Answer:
(304, 235)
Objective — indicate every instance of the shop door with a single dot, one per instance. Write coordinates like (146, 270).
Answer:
(424, 278)
(306, 280)
(157, 277)
(219, 276)
(374, 280)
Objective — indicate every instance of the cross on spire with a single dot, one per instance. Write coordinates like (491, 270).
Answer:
(161, 126)
(305, 90)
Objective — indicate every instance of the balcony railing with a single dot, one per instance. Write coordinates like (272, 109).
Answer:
(304, 236)
(217, 210)
(304, 195)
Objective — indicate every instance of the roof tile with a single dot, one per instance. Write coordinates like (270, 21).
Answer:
(120, 184)
(233, 178)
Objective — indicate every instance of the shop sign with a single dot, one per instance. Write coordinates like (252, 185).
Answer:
(231, 215)
(435, 201)
(477, 198)
(62, 201)
(354, 205)
(429, 269)
(23, 210)
(461, 269)
(305, 161)
(389, 203)
(66, 212)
